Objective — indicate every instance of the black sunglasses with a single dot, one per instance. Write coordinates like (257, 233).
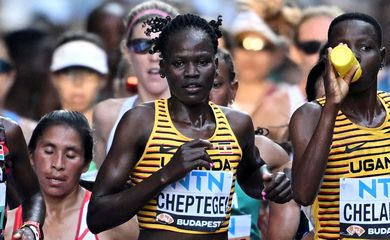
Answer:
(310, 47)
(5, 66)
(140, 45)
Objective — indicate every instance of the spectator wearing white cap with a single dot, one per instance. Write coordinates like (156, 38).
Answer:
(79, 69)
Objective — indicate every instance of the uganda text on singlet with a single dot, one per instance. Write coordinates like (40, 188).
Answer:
(354, 198)
(200, 203)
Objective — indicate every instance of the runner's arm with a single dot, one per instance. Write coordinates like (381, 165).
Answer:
(250, 173)
(283, 220)
(311, 129)
(110, 205)
(24, 177)
(102, 121)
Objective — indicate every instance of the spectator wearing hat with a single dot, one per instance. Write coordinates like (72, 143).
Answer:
(311, 35)
(79, 69)
(256, 55)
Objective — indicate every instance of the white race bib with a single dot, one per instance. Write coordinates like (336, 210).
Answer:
(365, 207)
(240, 227)
(198, 202)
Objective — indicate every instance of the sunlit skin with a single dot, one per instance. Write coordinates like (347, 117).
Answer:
(224, 89)
(314, 29)
(78, 89)
(253, 68)
(150, 87)
(189, 67)
(24, 180)
(248, 62)
(147, 70)
(365, 49)
(276, 117)
(281, 216)
(358, 101)
(59, 161)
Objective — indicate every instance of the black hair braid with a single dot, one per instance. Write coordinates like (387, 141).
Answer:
(156, 24)
(168, 26)
(217, 31)
(216, 25)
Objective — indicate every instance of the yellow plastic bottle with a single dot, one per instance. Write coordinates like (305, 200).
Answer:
(343, 60)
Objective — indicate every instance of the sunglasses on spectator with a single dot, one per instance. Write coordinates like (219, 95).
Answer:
(310, 47)
(140, 45)
(5, 66)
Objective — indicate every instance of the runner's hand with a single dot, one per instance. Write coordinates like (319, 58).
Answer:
(188, 156)
(336, 87)
(24, 234)
(277, 186)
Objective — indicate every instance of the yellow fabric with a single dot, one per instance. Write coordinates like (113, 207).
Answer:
(166, 135)
(345, 163)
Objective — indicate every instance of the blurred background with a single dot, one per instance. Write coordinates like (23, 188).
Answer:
(65, 14)
(30, 29)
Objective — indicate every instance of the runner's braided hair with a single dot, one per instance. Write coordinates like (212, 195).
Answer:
(167, 26)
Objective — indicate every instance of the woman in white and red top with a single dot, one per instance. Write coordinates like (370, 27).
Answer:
(61, 148)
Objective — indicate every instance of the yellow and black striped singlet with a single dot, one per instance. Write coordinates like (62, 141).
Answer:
(163, 143)
(355, 151)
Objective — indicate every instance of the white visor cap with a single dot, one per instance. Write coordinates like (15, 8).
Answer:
(79, 54)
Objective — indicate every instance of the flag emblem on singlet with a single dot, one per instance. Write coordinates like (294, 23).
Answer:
(1, 153)
(224, 147)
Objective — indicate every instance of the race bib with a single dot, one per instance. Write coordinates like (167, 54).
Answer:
(240, 227)
(198, 202)
(365, 208)
(2, 204)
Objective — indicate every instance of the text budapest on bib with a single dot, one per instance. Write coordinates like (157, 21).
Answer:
(198, 202)
(365, 208)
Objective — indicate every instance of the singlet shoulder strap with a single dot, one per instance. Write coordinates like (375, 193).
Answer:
(320, 101)
(381, 94)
